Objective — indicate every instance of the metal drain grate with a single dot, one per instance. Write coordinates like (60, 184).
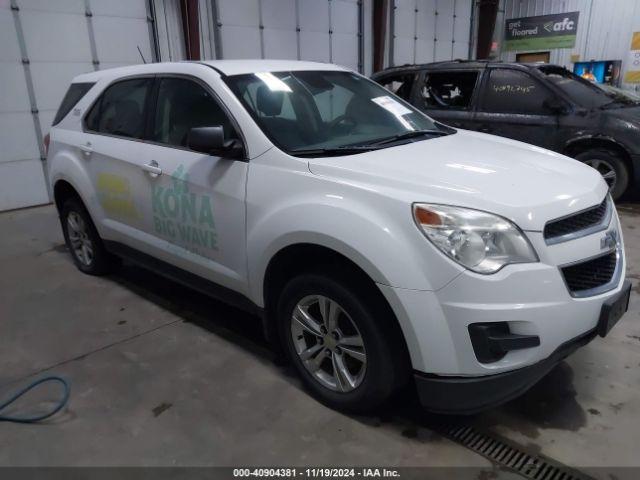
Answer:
(510, 455)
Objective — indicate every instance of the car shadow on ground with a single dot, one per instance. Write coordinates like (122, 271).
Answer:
(551, 403)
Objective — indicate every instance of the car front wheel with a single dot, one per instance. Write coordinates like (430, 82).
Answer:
(338, 343)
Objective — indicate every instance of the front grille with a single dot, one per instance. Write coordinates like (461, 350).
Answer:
(590, 274)
(575, 223)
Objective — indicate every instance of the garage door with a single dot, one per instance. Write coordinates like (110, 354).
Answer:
(425, 31)
(36, 66)
(317, 30)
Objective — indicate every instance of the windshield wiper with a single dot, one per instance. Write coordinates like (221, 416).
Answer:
(335, 151)
(408, 135)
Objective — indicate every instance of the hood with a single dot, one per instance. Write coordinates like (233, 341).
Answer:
(524, 183)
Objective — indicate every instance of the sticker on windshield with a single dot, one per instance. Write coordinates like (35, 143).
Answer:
(391, 105)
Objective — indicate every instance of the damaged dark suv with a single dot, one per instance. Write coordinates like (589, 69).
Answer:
(544, 105)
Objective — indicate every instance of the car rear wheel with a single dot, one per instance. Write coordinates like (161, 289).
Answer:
(339, 344)
(83, 241)
(612, 168)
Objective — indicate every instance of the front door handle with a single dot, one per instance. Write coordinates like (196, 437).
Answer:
(153, 168)
(486, 129)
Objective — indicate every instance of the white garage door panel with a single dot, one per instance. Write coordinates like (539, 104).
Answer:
(17, 138)
(51, 82)
(117, 39)
(9, 49)
(403, 51)
(314, 46)
(344, 16)
(239, 12)
(66, 39)
(426, 20)
(22, 184)
(120, 8)
(46, 119)
(444, 22)
(279, 14)
(59, 6)
(424, 51)
(345, 50)
(404, 16)
(280, 44)
(240, 42)
(12, 76)
(462, 21)
(314, 16)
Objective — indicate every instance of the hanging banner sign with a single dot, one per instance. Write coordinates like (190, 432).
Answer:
(543, 32)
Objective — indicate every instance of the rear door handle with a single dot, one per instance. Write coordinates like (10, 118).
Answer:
(153, 168)
(86, 148)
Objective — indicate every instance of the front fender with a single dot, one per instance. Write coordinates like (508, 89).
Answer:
(391, 252)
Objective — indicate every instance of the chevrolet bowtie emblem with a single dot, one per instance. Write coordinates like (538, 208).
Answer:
(609, 241)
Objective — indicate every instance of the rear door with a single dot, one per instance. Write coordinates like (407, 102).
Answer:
(114, 154)
(513, 103)
(448, 96)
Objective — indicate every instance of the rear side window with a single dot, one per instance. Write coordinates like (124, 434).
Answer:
(512, 91)
(400, 84)
(120, 110)
(449, 90)
(182, 105)
(72, 97)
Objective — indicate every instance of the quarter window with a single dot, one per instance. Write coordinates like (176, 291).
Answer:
(182, 105)
(512, 91)
(449, 90)
(120, 109)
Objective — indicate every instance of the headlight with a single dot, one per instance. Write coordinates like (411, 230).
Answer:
(479, 241)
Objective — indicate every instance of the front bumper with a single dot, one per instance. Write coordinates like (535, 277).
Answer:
(466, 395)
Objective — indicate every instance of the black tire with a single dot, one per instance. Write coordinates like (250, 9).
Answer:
(605, 160)
(387, 367)
(101, 262)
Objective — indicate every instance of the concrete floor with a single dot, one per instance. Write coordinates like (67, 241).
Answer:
(162, 375)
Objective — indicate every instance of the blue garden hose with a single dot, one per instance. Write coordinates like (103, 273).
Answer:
(36, 418)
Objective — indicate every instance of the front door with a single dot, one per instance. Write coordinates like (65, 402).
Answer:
(196, 202)
(514, 105)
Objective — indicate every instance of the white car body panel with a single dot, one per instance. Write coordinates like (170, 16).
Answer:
(359, 206)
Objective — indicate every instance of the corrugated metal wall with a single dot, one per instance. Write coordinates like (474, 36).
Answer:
(604, 27)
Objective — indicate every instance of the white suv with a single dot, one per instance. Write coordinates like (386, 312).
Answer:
(377, 245)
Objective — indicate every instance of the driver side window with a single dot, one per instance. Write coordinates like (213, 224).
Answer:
(182, 105)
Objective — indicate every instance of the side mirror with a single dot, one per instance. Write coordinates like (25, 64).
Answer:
(555, 105)
(210, 140)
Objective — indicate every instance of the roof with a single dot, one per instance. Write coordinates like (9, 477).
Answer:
(237, 67)
(460, 65)
(227, 67)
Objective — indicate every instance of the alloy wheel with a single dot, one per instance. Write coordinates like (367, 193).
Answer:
(328, 343)
(79, 238)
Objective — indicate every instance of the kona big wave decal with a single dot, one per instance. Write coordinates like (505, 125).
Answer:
(184, 217)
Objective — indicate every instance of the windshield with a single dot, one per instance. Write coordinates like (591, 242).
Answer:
(326, 110)
(621, 95)
(581, 91)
